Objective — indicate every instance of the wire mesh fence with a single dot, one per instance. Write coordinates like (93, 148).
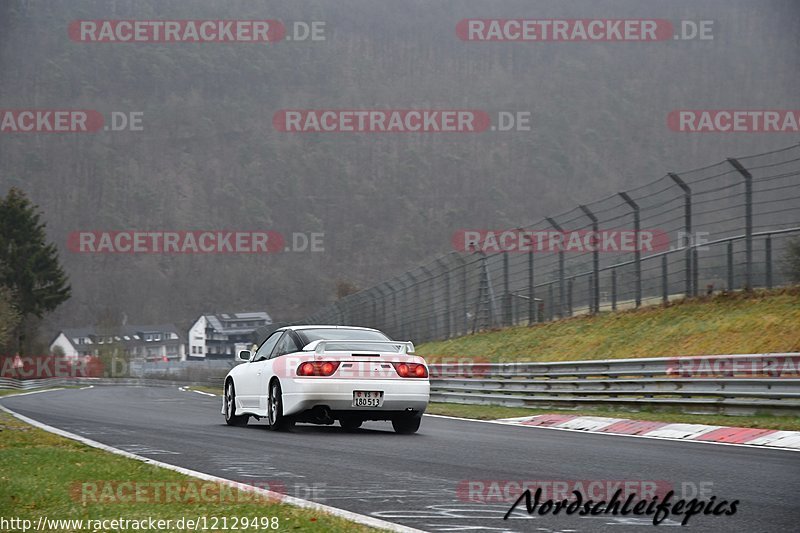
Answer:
(723, 227)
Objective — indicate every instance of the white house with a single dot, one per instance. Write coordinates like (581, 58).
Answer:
(220, 336)
(143, 343)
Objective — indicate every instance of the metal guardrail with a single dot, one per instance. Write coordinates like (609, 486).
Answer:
(730, 384)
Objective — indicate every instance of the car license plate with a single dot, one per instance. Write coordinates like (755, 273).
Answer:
(367, 398)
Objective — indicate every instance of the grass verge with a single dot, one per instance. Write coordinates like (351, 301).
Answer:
(42, 474)
(755, 322)
(494, 412)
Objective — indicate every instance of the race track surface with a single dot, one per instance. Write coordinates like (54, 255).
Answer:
(414, 480)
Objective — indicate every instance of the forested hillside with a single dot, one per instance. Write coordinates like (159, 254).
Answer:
(209, 157)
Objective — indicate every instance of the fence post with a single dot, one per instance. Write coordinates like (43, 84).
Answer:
(590, 285)
(561, 284)
(447, 302)
(594, 295)
(569, 296)
(613, 289)
(531, 290)
(414, 329)
(687, 221)
(395, 328)
(637, 254)
(374, 305)
(432, 316)
(464, 285)
(748, 221)
(730, 265)
(550, 298)
(695, 271)
(768, 266)
(507, 313)
(664, 280)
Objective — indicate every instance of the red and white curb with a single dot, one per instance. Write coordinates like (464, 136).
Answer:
(771, 438)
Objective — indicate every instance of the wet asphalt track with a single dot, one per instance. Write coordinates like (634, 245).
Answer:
(413, 480)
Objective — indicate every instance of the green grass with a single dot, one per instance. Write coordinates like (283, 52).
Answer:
(757, 322)
(492, 412)
(39, 474)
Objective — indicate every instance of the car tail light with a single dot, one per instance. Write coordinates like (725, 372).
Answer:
(411, 370)
(317, 368)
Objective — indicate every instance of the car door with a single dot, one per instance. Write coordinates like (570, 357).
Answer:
(288, 343)
(252, 383)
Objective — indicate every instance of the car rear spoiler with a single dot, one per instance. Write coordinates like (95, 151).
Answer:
(406, 347)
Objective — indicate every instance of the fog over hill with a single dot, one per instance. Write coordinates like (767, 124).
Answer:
(208, 156)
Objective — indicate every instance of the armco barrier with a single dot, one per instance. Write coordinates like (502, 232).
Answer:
(731, 384)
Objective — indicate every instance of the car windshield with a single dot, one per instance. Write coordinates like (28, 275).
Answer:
(340, 334)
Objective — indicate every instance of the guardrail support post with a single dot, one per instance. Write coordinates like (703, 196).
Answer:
(637, 254)
(594, 296)
(768, 260)
(748, 220)
(561, 281)
(687, 217)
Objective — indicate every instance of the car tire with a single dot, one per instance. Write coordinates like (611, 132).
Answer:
(275, 419)
(231, 418)
(350, 423)
(407, 424)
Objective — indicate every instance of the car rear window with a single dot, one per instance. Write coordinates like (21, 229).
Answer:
(336, 334)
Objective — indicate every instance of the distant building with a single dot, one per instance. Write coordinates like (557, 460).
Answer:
(135, 343)
(220, 336)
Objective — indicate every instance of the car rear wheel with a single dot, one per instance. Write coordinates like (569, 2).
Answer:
(407, 424)
(231, 418)
(275, 418)
(350, 423)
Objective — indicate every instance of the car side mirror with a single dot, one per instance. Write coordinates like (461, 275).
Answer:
(244, 355)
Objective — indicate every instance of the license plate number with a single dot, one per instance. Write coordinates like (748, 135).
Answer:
(367, 398)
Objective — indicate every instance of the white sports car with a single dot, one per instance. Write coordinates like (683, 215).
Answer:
(320, 374)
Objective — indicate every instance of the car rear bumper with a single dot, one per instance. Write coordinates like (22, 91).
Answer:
(301, 394)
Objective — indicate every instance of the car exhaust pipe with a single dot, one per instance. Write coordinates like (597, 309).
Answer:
(321, 414)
